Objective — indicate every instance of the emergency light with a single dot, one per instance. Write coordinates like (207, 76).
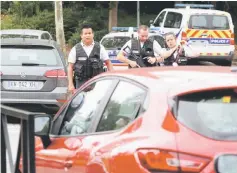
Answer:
(154, 28)
(207, 6)
(124, 29)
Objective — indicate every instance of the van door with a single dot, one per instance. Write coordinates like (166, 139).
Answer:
(211, 33)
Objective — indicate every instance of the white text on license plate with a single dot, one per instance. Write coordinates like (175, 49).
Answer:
(22, 85)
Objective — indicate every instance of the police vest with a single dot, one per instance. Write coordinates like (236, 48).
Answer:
(172, 58)
(145, 51)
(87, 67)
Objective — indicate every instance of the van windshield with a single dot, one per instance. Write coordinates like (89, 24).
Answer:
(211, 22)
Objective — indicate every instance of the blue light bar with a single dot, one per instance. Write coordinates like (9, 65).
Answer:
(124, 29)
(154, 29)
(208, 6)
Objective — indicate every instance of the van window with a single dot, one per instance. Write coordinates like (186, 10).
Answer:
(45, 36)
(173, 20)
(209, 22)
(17, 55)
(160, 19)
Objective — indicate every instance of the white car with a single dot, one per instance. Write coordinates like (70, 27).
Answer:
(26, 33)
(208, 31)
(114, 41)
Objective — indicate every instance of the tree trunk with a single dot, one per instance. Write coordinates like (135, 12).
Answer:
(59, 26)
(113, 14)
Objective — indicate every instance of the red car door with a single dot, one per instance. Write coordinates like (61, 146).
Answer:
(70, 148)
(68, 154)
(74, 149)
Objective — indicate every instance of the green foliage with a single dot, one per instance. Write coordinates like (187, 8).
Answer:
(112, 4)
(24, 8)
(131, 20)
(5, 6)
(44, 21)
(89, 16)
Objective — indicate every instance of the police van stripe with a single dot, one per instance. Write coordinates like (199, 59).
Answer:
(227, 34)
(214, 54)
(194, 33)
(210, 33)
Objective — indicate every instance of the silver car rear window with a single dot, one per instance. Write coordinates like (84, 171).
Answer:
(15, 56)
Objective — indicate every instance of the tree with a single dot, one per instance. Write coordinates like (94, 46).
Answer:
(59, 25)
(113, 14)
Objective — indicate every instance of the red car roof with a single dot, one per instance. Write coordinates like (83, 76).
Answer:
(181, 79)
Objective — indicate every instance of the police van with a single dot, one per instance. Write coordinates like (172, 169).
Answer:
(208, 31)
(114, 41)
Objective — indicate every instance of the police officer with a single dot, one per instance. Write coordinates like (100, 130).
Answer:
(177, 50)
(149, 51)
(86, 59)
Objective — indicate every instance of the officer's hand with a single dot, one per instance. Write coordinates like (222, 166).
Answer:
(160, 59)
(151, 60)
(71, 88)
(133, 64)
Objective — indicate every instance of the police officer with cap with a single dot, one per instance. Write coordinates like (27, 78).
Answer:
(86, 59)
(150, 52)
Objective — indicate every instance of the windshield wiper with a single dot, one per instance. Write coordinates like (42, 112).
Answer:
(198, 27)
(219, 27)
(32, 64)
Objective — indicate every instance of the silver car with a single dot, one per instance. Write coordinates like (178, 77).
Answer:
(32, 72)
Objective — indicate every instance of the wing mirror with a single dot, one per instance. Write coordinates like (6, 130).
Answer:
(78, 100)
(226, 163)
(42, 128)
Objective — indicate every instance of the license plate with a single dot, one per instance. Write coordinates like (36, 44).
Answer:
(199, 43)
(22, 85)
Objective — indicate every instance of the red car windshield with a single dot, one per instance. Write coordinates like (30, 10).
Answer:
(212, 114)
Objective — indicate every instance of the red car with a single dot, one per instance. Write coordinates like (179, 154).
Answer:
(149, 120)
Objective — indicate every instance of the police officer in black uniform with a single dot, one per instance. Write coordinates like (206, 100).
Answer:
(86, 59)
(150, 52)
